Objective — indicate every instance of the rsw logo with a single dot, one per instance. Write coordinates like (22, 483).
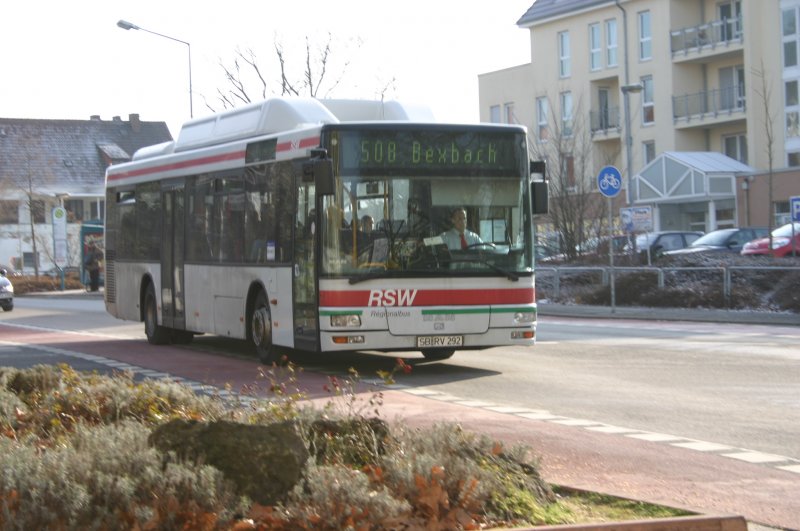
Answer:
(392, 297)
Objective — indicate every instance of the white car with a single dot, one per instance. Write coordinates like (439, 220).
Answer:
(6, 292)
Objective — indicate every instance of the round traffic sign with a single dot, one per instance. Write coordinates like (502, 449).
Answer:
(609, 181)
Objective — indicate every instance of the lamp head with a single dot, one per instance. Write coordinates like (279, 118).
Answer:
(124, 24)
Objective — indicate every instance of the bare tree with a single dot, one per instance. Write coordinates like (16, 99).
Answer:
(26, 188)
(248, 78)
(764, 92)
(576, 209)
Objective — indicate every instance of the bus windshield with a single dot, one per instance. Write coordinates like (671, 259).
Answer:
(427, 203)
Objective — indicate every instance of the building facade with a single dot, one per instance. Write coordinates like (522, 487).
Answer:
(50, 163)
(628, 81)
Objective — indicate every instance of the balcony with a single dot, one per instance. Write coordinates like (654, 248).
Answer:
(712, 38)
(709, 107)
(604, 124)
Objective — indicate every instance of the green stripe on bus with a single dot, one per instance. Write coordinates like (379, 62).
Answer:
(476, 310)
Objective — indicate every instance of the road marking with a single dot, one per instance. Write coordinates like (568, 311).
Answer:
(702, 446)
(654, 437)
(757, 457)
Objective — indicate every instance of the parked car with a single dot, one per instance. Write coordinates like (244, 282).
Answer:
(660, 242)
(781, 242)
(731, 240)
(599, 246)
(6, 292)
(10, 272)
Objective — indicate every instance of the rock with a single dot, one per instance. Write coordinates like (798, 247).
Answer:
(264, 462)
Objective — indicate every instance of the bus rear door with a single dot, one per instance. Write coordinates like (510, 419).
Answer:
(172, 249)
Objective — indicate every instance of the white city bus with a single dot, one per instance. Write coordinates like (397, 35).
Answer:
(249, 226)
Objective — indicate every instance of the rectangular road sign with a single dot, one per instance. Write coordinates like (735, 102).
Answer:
(794, 207)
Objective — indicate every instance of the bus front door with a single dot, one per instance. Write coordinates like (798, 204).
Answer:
(172, 246)
(304, 270)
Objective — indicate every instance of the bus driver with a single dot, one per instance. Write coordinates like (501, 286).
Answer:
(459, 237)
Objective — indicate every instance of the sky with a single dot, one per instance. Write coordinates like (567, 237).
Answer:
(70, 60)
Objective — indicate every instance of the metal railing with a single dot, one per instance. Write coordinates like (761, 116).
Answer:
(709, 102)
(604, 273)
(604, 120)
(708, 35)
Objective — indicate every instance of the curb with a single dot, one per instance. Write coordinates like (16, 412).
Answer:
(682, 523)
(669, 314)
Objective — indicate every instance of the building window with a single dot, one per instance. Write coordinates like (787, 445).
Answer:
(563, 54)
(510, 115)
(731, 87)
(648, 152)
(645, 36)
(790, 37)
(595, 48)
(648, 106)
(494, 114)
(74, 208)
(98, 209)
(541, 119)
(793, 159)
(9, 212)
(792, 108)
(735, 146)
(611, 42)
(566, 114)
(567, 174)
(792, 124)
(782, 214)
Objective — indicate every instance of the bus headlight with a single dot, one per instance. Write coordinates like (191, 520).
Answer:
(524, 317)
(346, 321)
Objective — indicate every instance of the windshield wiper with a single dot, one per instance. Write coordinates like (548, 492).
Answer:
(510, 275)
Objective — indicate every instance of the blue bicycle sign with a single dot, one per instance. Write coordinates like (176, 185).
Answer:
(609, 181)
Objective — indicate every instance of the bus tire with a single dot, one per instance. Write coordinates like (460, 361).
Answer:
(156, 334)
(437, 354)
(261, 331)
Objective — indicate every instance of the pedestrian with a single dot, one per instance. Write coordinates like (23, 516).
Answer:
(92, 265)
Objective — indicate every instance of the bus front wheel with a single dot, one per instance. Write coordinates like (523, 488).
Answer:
(436, 354)
(156, 334)
(261, 331)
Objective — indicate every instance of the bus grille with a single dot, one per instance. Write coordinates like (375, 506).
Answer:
(110, 277)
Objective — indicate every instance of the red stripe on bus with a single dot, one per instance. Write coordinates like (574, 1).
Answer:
(406, 297)
(303, 143)
(234, 155)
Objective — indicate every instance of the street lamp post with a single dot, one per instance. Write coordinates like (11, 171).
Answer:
(124, 24)
(626, 102)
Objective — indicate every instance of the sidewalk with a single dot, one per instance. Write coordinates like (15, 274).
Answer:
(548, 309)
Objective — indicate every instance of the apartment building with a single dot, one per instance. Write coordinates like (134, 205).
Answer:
(660, 89)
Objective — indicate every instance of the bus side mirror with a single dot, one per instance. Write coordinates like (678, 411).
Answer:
(320, 172)
(539, 187)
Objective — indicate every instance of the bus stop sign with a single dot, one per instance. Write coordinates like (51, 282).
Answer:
(609, 181)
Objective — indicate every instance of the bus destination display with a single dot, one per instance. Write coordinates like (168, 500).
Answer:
(387, 152)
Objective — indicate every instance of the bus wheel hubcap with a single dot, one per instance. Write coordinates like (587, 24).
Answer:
(261, 327)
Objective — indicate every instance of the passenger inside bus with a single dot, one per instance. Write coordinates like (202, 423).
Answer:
(459, 237)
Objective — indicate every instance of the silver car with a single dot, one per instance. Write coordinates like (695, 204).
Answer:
(6, 292)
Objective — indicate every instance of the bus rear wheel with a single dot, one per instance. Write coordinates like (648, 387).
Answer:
(156, 334)
(261, 332)
(437, 354)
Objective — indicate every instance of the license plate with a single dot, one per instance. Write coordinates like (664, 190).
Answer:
(439, 341)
